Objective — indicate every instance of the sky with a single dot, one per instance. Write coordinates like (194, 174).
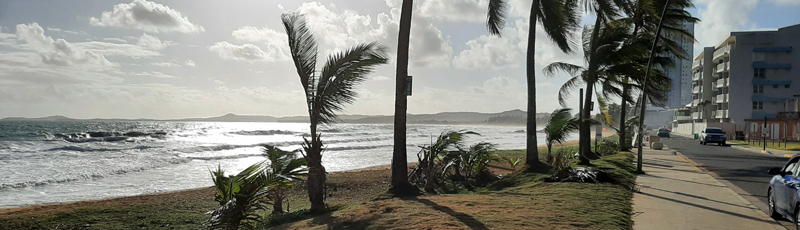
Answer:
(177, 59)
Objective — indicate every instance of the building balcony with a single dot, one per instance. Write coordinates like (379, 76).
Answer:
(722, 98)
(721, 114)
(714, 86)
(695, 102)
(696, 89)
(697, 64)
(722, 67)
(696, 115)
(722, 52)
(696, 76)
(721, 83)
(683, 118)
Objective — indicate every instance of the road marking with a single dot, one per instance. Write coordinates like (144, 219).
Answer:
(788, 155)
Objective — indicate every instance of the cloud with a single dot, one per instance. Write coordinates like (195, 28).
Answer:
(152, 42)
(495, 94)
(189, 63)
(786, 2)
(65, 31)
(719, 18)
(246, 52)
(57, 52)
(147, 16)
(455, 10)
(116, 49)
(165, 64)
(118, 40)
(277, 44)
(153, 74)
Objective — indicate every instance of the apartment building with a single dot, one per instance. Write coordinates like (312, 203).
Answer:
(681, 73)
(749, 75)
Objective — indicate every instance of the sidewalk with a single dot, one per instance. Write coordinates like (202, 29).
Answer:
(777, 152)
(677, 195)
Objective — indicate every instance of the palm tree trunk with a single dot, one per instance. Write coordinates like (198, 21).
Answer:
(277, 204)
(585, 133)
(622, 135)
(400, 185)
(316, 173)
(531, 147)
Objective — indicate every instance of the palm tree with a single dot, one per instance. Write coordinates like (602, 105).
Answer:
(644, 15)
(400, 184)
(327, 91)
(559, 127)
(240, 195)
(559, 18)
(607, 58)
(289, 167)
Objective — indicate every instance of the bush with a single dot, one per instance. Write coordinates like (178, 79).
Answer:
(607, 146)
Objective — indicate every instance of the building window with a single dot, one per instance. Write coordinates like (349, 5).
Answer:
(758, 89)
(760, 73)
(758, 105)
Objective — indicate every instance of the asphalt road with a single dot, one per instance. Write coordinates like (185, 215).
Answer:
(744, 169)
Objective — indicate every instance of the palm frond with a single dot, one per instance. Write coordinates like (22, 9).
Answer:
(559, 19)
(496, 18)
(303, 48)
(342, 72)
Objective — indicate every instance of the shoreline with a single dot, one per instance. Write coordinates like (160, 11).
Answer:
(126, 200)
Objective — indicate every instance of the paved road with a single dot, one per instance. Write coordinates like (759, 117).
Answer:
(744, 169)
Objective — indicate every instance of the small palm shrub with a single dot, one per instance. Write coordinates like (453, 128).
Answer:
(448, 163)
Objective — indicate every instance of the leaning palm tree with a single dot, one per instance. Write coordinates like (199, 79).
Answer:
(559, 127)
(645, 15)
(289, 167)
(607, 57)
(559, 18)
(326, 91)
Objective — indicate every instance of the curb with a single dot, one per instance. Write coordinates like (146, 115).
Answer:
(768, 152)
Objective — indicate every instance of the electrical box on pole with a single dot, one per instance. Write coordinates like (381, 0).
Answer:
(408, 85)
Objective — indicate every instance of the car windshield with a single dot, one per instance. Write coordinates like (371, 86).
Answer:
(713, 131)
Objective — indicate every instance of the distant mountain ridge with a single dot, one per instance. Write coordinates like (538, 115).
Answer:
(511, 117)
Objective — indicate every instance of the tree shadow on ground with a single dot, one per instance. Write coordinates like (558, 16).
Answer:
(468, 220)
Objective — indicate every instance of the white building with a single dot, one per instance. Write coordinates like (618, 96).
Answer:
(681, 73)
(747, 76)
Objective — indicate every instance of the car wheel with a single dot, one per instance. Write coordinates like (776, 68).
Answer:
(771, 203)
(723, 143)
(705, 142)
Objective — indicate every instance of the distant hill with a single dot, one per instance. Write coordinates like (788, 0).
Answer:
(512, 117)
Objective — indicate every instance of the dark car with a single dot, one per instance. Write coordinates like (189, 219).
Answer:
(713, 135)
(663, 132)
(783, 195)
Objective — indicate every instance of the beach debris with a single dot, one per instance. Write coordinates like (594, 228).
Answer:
(581, 175)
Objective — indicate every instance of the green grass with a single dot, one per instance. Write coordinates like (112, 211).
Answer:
(523, 201)
(790, 146)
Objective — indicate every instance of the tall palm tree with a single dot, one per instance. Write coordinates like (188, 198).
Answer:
(560, 125)
(644, 15)
(400, 184)
(559, 18)
(326, 91)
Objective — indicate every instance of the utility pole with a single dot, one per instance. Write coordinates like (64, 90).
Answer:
(644, 88)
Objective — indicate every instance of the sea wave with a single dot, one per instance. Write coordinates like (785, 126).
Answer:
(143, 164)
(264, 132)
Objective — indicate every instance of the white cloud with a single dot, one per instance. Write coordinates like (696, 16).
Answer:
(165, 64)
(116, 49)
(455, 10)
(380, 78)
(57, 52)
(118, 40)
(152, 42)
(147, 16)
(277, 44)
(246, 52)
(65, 31)
(154, 74)
(499, 93)
(786, 2)
(190, 63)
(719, 18)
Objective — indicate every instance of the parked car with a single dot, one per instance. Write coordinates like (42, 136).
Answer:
(783, 195)
(712, 135)
(663, 132)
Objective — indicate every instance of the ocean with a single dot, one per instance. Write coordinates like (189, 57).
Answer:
(50, 162)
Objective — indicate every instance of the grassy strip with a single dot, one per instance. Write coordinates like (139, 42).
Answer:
(181, 209)
(532, 204)
(789, 146)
